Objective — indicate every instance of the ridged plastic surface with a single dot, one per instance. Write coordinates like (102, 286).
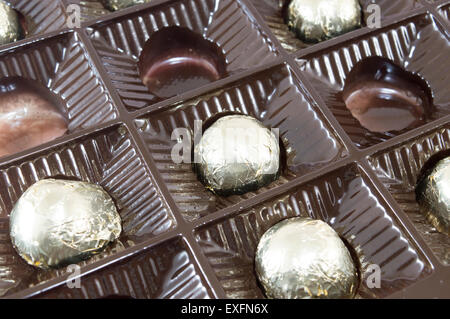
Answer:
(42, 16)
(274, 98)
(343, 199)
(120, 42)
(418, 45)
(272, 12)
(399, 169)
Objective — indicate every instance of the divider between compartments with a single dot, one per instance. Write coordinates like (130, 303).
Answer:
(398, 140)
(35, 291)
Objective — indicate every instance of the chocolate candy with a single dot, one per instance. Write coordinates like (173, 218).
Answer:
(10, 27)
(305, 258)
(383, 97)
(319, 20)
(433, 195)
(114, 5)
(175, 60)
(29, 115)
(237, 154)
(58, 222)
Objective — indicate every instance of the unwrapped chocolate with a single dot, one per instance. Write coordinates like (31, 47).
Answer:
(176, 59)
(384, 97)
(30, 115)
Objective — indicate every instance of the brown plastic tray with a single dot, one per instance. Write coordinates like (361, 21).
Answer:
(272, 13)
(181, 241)
(444, 10)
(418, 44)
(40, 16)
(119, 41)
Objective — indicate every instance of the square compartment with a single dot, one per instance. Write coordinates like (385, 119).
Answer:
(227, 23)
(108, 158)
(62, 65)
(41, 16)
(399, 167)
(271, 11)
(347, 201)
(167, 270)
(418, 45)
(276, 98)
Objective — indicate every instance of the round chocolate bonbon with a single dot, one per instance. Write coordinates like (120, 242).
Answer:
(305, 258)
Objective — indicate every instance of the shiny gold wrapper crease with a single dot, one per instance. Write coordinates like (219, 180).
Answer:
(58, 222)
(237, 154)
(433, 195)
(10, 28)
(302, 258)
(114, 5)
(319, 20)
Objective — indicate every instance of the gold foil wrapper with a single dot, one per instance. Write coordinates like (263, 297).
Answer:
(10, 28)
(319, 20)
(237, 154)
(58, 222)
(302, 258)
(114, 5)
(433, 195)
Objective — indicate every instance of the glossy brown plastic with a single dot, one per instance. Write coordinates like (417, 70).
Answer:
(40, 17)
(182, 241)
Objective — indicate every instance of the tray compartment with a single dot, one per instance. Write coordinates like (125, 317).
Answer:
(347, 201)
(399, 167)
(224, 22)
(271, 12)
(164, 271)
(42, 16)
(277, 99)
(63, 65)
(418, 45)
(108, 158)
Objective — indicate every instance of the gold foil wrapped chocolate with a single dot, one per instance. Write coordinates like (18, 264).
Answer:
(10, 27)
(114, 5)
(319, 20)
(59, 222)
(237, 154)
(433, 195)
(304, 258)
